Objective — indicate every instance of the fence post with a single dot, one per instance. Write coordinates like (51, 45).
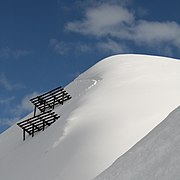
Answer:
(34, 110)
(24, 134)
(32, 130)
(54, 101)
(43, 124)
(63, 97)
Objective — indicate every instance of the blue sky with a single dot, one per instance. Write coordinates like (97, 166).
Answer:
(47, 43)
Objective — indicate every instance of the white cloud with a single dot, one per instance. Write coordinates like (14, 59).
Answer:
(117, 22)
(7, 53)
(153, 32)
(102, 20)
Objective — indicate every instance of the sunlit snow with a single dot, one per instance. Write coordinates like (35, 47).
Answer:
(114, 105)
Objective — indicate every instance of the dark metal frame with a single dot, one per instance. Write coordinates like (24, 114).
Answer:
(50, 99)
(45, 103)
(38, 123)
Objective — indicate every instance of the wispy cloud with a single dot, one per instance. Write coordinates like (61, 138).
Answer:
(62, 47)
(6, 100)
(111, 46)
(7, 53)
(108, 21)
(108, 46)
(6, 84)
(59, 47)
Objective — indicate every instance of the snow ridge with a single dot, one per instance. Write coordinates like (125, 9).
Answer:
(114, 104)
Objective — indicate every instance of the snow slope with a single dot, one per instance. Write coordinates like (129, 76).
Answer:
(155, 157)
(115, 104)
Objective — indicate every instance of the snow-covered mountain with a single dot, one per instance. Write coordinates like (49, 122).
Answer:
(114, 105)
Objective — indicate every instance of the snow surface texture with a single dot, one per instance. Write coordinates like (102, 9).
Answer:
(114, 105)
(155, 157)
